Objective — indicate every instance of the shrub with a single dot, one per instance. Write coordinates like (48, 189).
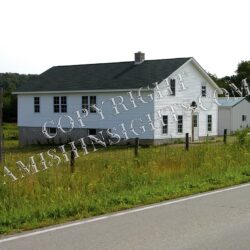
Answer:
(241, 137)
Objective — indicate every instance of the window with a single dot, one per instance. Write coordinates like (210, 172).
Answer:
(52, 131)
(92, 131)
(203, 90)
(85, 103)
(165, 126)
(209, 123)
(195, 121)
(56, 104)
(37, 104)
(172, 86)
(92, 102)
(88, 102)
(244, 118)
(180, 124)
(63, 104)
(60, 104)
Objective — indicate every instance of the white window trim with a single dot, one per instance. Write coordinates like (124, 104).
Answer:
(89, 106)
(60, 104)
(180, 133)
(204, 85)
(37, 105)
(211, 124)
(164, 125)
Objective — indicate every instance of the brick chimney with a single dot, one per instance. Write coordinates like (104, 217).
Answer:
(139, 57)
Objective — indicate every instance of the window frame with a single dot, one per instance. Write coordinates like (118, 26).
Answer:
(195, 121)
(60, 104)
(91, 100)
(180, 124)
(209, 123)
(244, 118)
(63, 104)
(36, 105)
(173, 87)
(94, 129)
(203, 91)
(85, 105)
(91, 103)
(56, 104)
(50, 132)
(165, 126)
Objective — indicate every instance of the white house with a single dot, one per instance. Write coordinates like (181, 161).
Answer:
(149, 99)
(234, 113)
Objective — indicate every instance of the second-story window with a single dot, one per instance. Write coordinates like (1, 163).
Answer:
(203, 90)
(60, 104)
(172, 86)
(37, 104)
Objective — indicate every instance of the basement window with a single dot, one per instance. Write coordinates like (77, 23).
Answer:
(52, 131)
(92, 131)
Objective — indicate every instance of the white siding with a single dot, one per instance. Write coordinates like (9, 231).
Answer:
(27, 117)
(225, 120)
(230, 118)
(193, 81)
(242, 108)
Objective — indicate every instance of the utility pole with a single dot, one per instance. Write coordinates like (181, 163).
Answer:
(1, 124)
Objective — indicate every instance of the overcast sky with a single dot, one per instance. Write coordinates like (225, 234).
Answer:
(38, 34)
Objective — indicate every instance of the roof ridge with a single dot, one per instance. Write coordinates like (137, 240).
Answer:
(162, 59)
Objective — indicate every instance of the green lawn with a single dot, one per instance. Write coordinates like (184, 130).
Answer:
(112, 179)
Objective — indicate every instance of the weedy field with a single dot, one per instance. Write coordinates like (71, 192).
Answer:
(112, 179)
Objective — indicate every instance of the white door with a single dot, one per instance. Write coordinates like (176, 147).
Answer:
(196, 127)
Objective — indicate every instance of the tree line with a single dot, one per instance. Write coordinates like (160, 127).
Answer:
(10, 81)
(242, 72)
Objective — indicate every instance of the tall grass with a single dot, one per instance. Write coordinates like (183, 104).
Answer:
(112, 179)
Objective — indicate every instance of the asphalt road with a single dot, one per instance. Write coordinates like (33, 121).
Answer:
(214, 220)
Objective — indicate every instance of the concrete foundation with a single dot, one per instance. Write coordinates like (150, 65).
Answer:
(34, 136)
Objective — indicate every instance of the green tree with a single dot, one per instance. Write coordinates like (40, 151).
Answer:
(9, 82)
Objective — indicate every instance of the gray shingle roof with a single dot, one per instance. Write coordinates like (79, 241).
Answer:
(103, 76)
(230, 102)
